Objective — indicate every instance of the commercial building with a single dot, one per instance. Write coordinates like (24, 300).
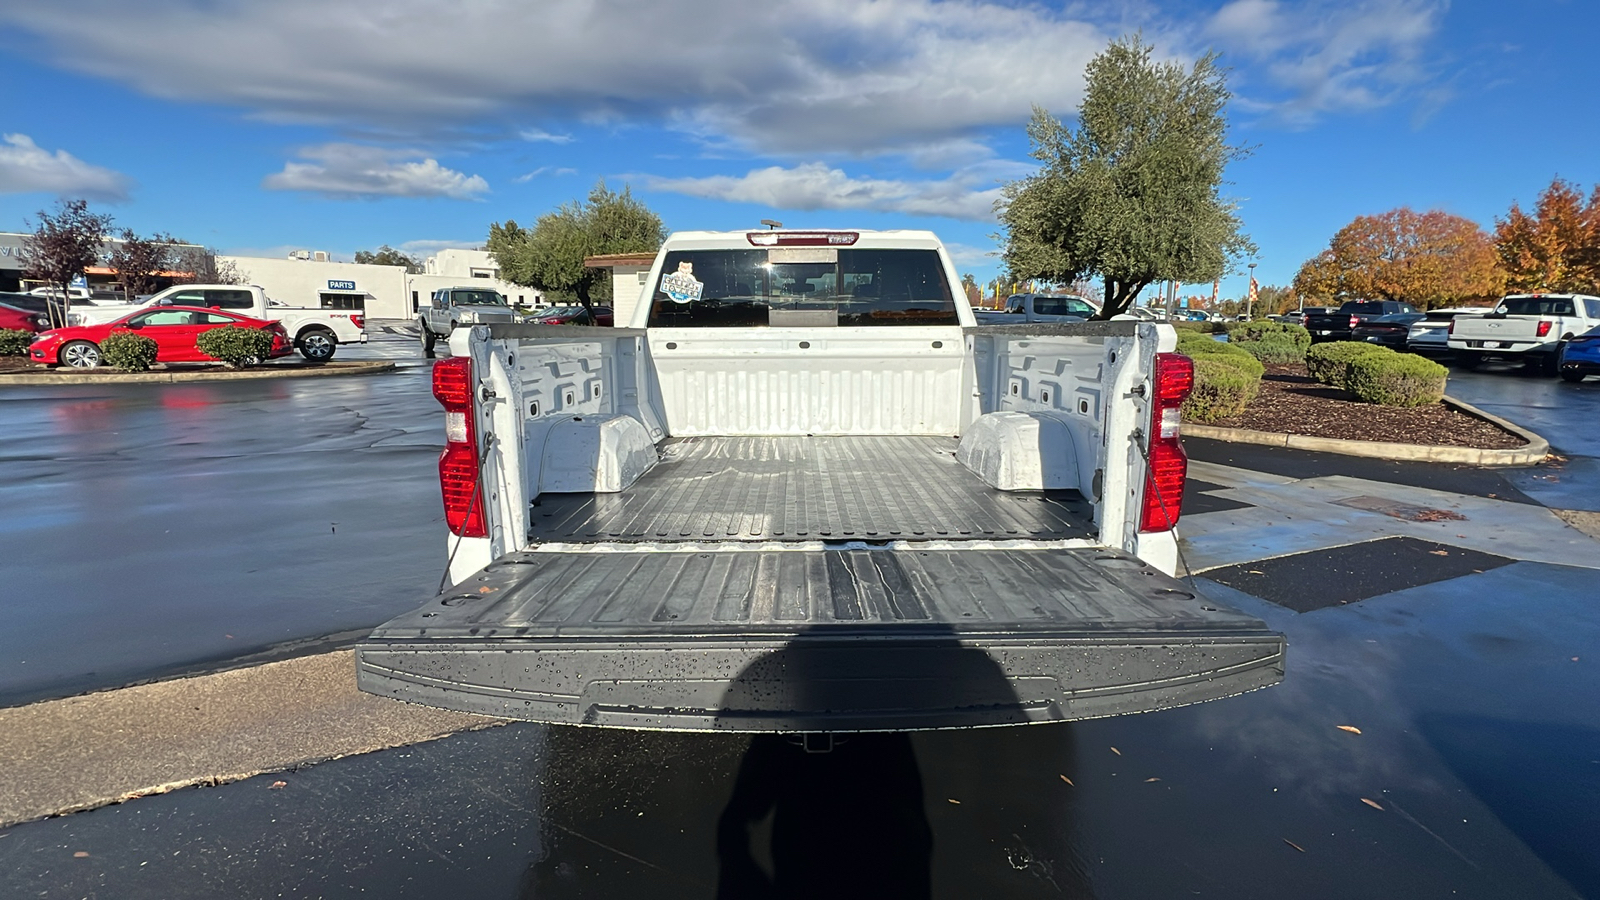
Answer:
(628, 274)
(311, 278)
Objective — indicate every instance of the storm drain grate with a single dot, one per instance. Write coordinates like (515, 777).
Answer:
(1336, 576)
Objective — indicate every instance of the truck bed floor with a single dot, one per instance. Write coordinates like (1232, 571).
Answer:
(810, 488)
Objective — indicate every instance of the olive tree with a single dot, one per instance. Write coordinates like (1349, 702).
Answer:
(550, 255)
(1133, 194)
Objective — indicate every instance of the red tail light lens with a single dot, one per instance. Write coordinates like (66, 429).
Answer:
(1354, 321)
(458, 465)
(1544, 328)
(1451, 328)
(358, 320)
(1169, 466)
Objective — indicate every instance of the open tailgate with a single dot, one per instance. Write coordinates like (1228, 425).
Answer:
(817, 638)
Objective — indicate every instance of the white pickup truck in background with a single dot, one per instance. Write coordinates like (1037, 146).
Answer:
(1529, 327)
(806, 492)
(316, 333)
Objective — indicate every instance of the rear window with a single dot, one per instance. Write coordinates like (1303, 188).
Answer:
(230, 299)
(1537, 306)
(1362, 307)
(801, 286)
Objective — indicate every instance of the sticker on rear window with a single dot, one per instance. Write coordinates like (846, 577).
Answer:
(680, 286)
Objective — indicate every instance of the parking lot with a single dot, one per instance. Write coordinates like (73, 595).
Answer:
(1435, 734)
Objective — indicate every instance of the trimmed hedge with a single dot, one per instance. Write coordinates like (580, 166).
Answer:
(237, 346)
(1200, 327)
(1228, 354)
(1395, 379)
(1263, 330)
(128, 351)
(1275, 349)
(14, 341)
(1330, 363)
(1220, 390)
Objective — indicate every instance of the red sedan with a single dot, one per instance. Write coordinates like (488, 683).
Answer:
(175, 330)
(14, 319)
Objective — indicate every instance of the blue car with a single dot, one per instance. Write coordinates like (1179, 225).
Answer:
(1581, 356)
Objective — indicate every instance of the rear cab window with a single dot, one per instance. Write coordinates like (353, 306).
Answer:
(229, 299)
(801, 286)
(1537, 306)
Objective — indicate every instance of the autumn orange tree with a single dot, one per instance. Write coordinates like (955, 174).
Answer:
(1429, 259)
(1555, 249)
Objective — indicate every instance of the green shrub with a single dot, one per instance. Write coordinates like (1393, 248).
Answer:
(1199, 327)
(14, 341)
(1243, 332)
(1227, 354)
(1330, 363)
(237, 346)
(1395, 379)
(1274, 349)
(128, 351)
(1220, 390)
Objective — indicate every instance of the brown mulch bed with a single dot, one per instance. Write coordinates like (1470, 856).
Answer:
(12, 364)
(1291, 402)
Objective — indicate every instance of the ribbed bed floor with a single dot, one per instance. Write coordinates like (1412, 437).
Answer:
(810, 488)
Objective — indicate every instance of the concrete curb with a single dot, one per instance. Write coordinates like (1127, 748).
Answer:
(326, 370)
(1533, 454)
(83, 752)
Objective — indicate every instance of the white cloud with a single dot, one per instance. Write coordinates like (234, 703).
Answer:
(354, 170)
(1315, 59)
(536, 135)
(811, 186)
(544, 170)
(786, 77)
(426, 248)
(25, 167)
(970, 256)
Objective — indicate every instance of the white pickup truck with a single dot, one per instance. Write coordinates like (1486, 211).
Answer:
(317, 333)
(1530, 327)
(805, 492)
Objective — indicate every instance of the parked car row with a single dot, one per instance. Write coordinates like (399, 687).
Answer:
(175, 329)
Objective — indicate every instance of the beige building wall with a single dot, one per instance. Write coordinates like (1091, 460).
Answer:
(386, 292)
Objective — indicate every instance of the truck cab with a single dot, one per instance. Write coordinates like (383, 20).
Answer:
(803, 490)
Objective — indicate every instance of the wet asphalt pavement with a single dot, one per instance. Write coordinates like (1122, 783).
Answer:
(1469, 764)
(150, 529)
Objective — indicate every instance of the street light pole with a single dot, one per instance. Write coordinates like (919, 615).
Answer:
(1250, 294)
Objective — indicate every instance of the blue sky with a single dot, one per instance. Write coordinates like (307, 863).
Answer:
(264, 126)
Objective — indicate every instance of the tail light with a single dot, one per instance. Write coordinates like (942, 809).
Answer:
(1451, 328)
(458, 465)
(277, 328)
(1354, 321)
(1167, 465)
(1544, 328)
(358, 320)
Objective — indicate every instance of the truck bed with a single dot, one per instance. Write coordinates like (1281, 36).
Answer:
(858, 487)
(816, 584)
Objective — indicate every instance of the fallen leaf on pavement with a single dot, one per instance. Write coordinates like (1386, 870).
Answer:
(277, 785)
(1440, 552)
(1294, 845)
(485, 590)
(1254, 572)
(80, 854)
(1116, 751)
(1350, 728)
(1371, 803)
(1068, 781)
(956, 802)
(1148, 780)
